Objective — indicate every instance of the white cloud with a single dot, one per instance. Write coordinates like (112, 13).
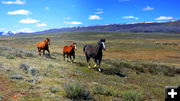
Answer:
(21, 12)
(28, 21)
(164, 18)
(41, 25)
(14, 2)
(94, 17)
(130, 17)
(100, 12)
(148, 8)
(73, 22)
(2, 29)
(99, 9)
(46, 8)
(27, 30)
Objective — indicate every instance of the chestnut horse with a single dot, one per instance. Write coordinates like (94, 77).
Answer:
(43, 46)
(70, 51)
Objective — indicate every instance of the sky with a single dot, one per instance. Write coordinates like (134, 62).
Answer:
(38, 15)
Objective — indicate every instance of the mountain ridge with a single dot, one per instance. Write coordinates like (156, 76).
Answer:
(159, 26)
(152, 26)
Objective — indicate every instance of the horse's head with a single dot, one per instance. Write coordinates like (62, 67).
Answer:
(48, 41)
(102, 43)
(75, 46)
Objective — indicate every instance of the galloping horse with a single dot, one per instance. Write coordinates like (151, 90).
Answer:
(43, 46)
(70, 51)
(95, 52)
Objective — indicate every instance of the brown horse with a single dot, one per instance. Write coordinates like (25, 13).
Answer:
(43, 46)
(70, 51)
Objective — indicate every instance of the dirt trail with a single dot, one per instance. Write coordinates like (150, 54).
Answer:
(6, 89)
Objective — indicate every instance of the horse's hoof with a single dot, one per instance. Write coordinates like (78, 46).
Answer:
(89, 67)
(99, 69)
(95, 66)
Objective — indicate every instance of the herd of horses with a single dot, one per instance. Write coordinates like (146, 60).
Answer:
(90, 51)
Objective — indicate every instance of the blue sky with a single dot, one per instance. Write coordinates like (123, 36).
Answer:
(37, 15)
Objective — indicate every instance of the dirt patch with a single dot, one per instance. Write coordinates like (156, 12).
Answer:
(6, 89)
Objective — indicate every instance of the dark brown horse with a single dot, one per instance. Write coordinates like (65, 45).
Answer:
(95, 52)
(43, 46)
(70, 51)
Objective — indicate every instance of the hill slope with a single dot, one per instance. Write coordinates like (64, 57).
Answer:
(171, 26)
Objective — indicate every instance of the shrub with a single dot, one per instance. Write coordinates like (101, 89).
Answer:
(132, 95)
(10, 56)
(2, 53)
(24, 67)
(34, 72)
(102, 91)
(161, 69)
(18, 55)
(29, 55)
(76, 91)
(120, 66)
(53, 89)
(50, 66)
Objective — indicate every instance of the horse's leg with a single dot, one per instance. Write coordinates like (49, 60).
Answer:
(96, 63)
(39, 50)
(99, 63)
(43, 51)
(88, 61)
(67, 56)
(64, 55)
(48, 51)
(73, 57)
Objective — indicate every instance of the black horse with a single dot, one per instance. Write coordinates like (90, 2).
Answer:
(95, 52)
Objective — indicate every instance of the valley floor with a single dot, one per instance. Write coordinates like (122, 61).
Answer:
(148, 64)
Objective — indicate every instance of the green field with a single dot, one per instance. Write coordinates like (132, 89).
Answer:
(150, 62)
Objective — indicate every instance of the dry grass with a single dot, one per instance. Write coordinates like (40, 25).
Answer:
(129, 48)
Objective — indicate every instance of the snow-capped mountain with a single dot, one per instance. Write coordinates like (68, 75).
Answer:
(7, 33)
(11, 33)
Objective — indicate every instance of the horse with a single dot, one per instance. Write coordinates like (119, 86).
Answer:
(43, 46)
(70, 51)
(95, 52)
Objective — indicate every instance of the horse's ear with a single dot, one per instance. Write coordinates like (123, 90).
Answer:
(103, 40)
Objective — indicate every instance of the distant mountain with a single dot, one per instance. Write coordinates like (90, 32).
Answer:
(160, 26)
(11, 33)
(1, 33)
(7, 33)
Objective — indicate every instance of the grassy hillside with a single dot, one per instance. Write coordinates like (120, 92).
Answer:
(149, 61)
